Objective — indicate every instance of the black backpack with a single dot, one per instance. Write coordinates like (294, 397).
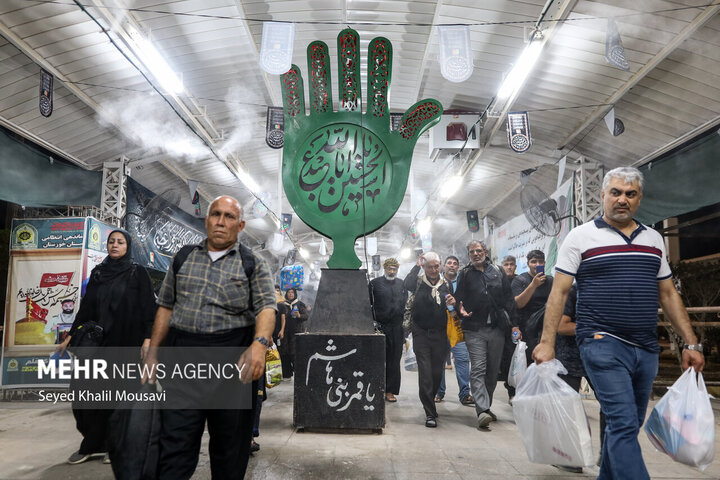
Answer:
(248, 259)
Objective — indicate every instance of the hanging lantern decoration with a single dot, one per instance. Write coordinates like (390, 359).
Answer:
(277, 47)
(614, 50)
(372, 245)
(260, 205)
(518, 131)
(456, 60)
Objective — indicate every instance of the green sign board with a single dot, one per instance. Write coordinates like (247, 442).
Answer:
(23, 371)
(345, 172)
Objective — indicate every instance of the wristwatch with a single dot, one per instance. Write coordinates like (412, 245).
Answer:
(696, 347)
(263, 341)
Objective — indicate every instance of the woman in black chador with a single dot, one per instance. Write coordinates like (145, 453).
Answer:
(120, 298)
(297, 314)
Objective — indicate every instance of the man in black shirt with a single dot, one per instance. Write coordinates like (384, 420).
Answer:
(487, 309)
(388, 298)
(531, 290)
(509, 264)
(429, 328)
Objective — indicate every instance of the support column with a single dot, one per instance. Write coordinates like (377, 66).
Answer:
(113, 201)
(587, 187)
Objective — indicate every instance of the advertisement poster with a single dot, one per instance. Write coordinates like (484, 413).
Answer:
(43, 298)
(517, 236)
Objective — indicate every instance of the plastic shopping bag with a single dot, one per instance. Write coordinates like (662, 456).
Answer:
(273, 367)
(454, 330)
(551, 418)
(682, 424)
(518, 364)
(410, 359)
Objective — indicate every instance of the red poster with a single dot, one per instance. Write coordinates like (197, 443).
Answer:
(54, 279)
(33, 310)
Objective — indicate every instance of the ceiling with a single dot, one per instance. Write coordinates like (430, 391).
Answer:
(108, 104)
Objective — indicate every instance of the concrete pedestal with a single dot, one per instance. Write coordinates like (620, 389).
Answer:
(340, 362)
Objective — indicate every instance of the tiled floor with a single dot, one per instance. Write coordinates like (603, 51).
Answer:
(35, 443)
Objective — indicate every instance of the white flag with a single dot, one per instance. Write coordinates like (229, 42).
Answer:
(610, 121)
(561, 171)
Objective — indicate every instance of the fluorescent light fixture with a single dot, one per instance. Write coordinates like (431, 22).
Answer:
(514, 80)
(451, 186)
(154, 62)
(248, 181)
(405, 253)
(424, 225)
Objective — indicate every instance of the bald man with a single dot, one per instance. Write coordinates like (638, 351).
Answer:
(197, 308)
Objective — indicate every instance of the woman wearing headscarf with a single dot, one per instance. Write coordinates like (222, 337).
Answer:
(298, 313)
(120, 298)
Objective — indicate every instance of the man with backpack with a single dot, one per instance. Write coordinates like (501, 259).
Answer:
(212, 299)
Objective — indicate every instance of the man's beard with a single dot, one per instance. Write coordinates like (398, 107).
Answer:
(390, 277)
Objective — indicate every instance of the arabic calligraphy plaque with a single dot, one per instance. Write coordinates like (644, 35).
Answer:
(339, 382)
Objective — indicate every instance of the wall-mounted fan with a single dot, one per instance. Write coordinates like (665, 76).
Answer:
(543, 212)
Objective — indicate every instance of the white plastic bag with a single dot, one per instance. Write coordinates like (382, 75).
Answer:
(518, 365)
(551, 418)
(682, 424)
(410, 359)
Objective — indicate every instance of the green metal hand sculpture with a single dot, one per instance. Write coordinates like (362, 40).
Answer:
(345, 172)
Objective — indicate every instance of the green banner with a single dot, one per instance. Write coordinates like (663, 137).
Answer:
(30, 178)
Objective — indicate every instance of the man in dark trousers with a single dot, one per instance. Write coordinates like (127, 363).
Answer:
(213, 302)
(429, 328)
(388, 297)
(486, 307)
(531, 290)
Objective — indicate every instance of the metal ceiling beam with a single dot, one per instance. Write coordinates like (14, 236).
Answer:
(39, 60)
(438, 6)
(684, 34)
(205, 129)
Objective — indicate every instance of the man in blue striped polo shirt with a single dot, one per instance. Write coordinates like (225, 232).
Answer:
(622, 274)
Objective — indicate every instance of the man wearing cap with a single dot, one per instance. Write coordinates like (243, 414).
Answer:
(388, 298)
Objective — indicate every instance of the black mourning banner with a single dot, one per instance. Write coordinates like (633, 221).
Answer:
(472, 220)
(46, 93)
(275, 128)
(158, 230)
(518, 131)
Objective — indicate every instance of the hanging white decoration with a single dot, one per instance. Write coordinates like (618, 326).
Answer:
(277, 242)
(427, 241)
(561, 171)
(372, 245)
(277, 47)
(456, 59)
